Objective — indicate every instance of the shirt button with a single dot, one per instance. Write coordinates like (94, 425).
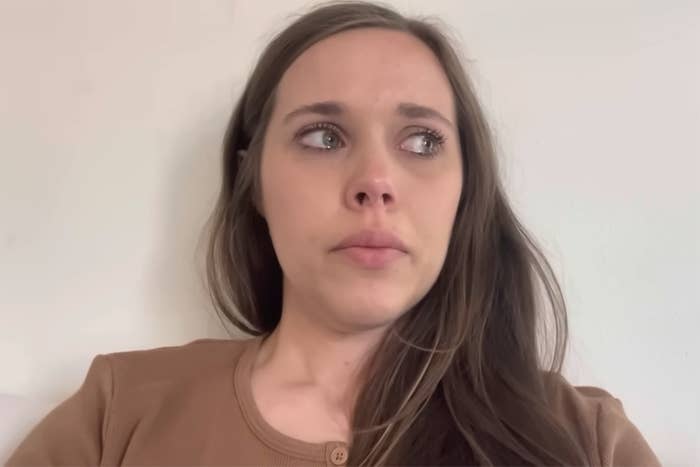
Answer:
(339, 455)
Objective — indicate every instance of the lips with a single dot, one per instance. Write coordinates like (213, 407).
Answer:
(372, 239)
(372, 249)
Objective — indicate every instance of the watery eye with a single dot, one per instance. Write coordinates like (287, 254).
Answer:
(321, 138)
(422, 143)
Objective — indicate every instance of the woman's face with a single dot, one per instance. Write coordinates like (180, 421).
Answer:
(355, 144)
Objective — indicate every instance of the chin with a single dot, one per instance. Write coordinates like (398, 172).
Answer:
(367, 314)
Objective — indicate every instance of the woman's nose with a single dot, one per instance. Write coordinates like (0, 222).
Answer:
(371, 193)
(371, 187)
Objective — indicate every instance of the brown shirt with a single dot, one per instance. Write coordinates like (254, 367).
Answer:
(192, 405)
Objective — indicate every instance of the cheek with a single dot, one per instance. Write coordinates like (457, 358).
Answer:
(293, 204)
(436, 209)
(435, 213)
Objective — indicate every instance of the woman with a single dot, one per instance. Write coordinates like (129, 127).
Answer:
(363, 236)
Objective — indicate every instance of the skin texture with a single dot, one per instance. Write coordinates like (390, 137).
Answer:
(373, 176)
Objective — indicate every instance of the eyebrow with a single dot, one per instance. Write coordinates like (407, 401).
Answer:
(334, 108)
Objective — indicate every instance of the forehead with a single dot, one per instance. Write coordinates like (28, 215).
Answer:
(367, 68)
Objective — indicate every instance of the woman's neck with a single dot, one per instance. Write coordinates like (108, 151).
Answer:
(303, 353)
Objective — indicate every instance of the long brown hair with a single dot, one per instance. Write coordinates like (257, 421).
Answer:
(462, 377)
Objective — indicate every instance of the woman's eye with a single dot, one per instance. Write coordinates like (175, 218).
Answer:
(321, 138)
(423, 143)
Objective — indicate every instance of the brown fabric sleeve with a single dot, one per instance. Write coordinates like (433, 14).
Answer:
(619, 441)
(74, 431)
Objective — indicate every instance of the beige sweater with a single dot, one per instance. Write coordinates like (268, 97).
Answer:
(192, 405)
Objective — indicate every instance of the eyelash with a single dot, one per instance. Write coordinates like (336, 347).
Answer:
(438, 138)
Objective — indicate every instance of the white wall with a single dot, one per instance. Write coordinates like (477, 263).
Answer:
(111, 120)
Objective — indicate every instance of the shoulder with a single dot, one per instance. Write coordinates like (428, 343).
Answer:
(177, 362)
(120, 390)
(584, 402)
(116, 372)
(187, 383)
(181, 380)
(211, 350)
(600, 420)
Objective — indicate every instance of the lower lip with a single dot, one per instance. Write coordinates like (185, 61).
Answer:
(371, 258)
